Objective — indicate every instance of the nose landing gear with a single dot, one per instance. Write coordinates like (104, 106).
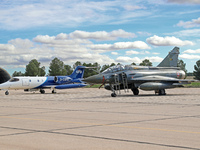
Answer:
(113, 94)
(42, 91)
(6, 93)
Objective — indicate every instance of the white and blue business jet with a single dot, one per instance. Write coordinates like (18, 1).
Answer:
(49, 82)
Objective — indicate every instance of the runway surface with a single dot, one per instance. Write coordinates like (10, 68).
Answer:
(89, 119)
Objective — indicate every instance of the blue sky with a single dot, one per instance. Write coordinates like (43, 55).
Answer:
(119, 31)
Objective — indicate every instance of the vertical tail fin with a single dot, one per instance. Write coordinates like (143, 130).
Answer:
(78, 72)
(171, 60)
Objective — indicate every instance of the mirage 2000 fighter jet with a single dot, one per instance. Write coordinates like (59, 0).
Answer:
(166, 75)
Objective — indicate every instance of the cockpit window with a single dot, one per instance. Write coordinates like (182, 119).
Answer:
(114, 69)
(134, 67)
(14, 79)
(107, 71)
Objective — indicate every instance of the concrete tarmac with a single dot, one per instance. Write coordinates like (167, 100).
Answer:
(90, 119)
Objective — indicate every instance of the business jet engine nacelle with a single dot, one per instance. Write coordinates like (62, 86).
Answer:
(62, 79)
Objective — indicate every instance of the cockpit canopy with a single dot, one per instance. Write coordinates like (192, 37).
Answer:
(126, 67)
(114, 69)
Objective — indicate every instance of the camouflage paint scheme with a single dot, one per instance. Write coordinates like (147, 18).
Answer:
(166, 75)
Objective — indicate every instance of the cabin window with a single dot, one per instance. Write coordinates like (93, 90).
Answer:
(14, 79)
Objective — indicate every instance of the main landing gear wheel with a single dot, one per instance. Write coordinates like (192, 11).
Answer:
(42, 91)
(135, 91)
(113, 94)
(53, 92)
(6, 93)
(162, 92)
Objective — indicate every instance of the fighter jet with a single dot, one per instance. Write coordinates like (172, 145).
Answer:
(166, 75)
(48, 82)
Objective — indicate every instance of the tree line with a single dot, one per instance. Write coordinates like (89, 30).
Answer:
(57, 67)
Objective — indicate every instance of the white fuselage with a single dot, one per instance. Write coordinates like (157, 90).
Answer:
(23, 83)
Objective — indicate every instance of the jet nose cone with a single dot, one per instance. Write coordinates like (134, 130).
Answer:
(4, 85)
(93, 79)
(89, 79)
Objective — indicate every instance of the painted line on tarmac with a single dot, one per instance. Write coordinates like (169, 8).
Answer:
(97, 137)
(98, 124)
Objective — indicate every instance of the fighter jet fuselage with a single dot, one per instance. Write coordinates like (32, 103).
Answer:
(166, 75)
(146, 78)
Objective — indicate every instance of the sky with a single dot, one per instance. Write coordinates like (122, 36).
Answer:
(103, 31)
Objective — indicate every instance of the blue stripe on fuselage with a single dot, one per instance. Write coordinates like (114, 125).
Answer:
(49, 81)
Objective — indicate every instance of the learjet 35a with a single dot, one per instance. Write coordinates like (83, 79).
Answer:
(166, 75)
(49, 82)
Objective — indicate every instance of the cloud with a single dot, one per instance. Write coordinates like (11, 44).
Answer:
(83, 37)
(101, 35)
(141, 33)
(190, 24)
(184, 1)
(23, 14)
(67, 48)
(155, 53)
(137, 60)
(186, 33)
(133, 7)
(19, 52)
(154, 59)
(187, 56)
(21, 43)
(167, 41)
(72, 47)
(129, 60)
(61, 41)
(45, 39)
(16, 47)
(131, 52)
(189, 51)
(130, 45)
(120, 46)
(7, 47)
(114, 53)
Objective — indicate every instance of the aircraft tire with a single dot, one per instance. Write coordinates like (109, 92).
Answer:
(6, 93)
(53, 92)
(113, 95)
(135, 91)
(42, 91)
(162, 92)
